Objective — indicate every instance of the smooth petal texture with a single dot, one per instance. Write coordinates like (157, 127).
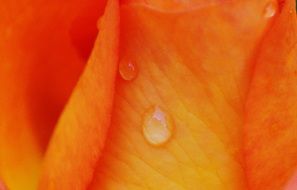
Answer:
(43, 49)
(292, 182)
(271, 120)
(195, 64)
(80, 133)
(174, 5)
(2, 185)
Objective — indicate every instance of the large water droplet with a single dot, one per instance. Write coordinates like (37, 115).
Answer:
(270, 9)
(127, 69)
(157, 126)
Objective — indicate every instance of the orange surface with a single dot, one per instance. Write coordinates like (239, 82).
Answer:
(42, 53)
(199, 75)
(222, 70)
(80, 133)
(271, 109)
(205, 151)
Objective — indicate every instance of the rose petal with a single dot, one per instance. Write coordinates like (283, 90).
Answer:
(40, 62)
(196, 66)
(271, 120)
(80, 132)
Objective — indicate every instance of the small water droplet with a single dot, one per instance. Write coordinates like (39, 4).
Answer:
(270, 9)
(157, 126)
(127, 69)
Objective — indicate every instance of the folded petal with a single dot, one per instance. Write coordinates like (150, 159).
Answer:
(271, 109)
(80, 133)
(43, 49)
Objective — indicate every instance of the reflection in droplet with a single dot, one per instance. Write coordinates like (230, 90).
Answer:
(127, 69)
(270, 9)
(157, 126)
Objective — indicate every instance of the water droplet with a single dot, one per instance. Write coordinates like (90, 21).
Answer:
(157, 126)
(270, 9)
(127, 69)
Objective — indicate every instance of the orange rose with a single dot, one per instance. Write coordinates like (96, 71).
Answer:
(165, 94)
